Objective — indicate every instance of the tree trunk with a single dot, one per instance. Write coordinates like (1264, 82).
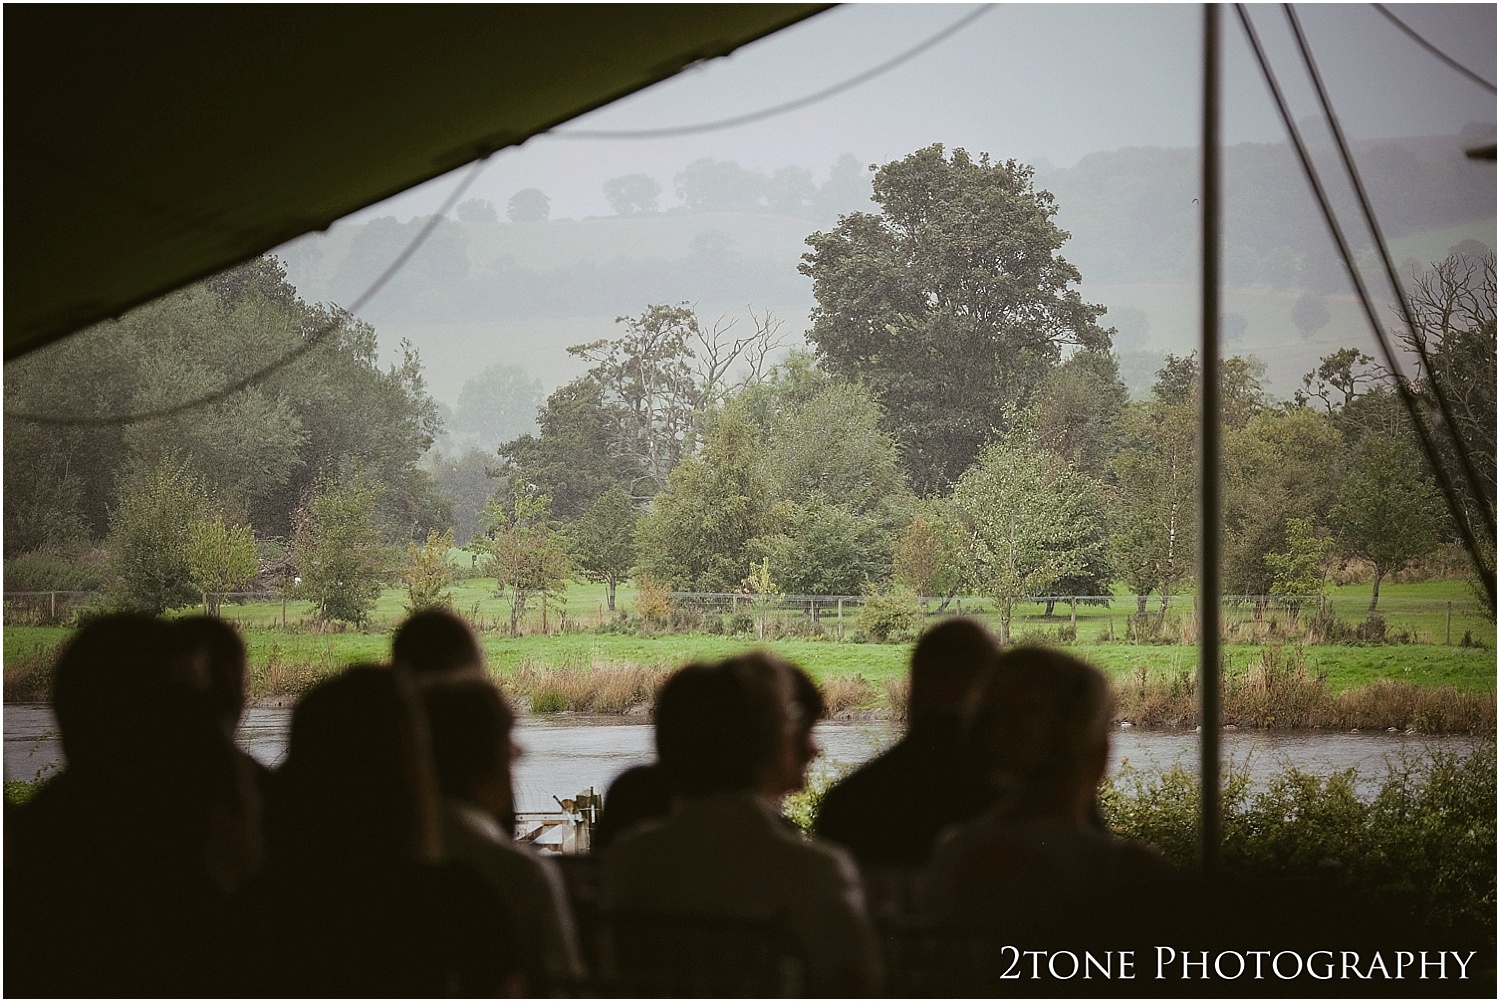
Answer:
(1375, 592)
(1005, 624)
(947, 598)
(515, 610)
(1050, 603)
(1140, 606)
(611, 584)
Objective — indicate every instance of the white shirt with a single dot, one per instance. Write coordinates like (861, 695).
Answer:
(731, 854)
(1032, 873)
(531, 886)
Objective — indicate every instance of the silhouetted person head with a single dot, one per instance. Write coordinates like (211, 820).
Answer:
(725, 727)
(435, 641)
(112, 689)
(221, 653)
(358, 779)
(1040, 728)
(802, 748)
(946, 664)
(470, 725)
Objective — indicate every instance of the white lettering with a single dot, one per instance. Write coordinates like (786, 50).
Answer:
(1276, 965)
(1220, 970)
(1328, 970)
(1463, 965)
(1052, 964)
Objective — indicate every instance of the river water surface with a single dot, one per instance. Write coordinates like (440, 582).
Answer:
(568, 753)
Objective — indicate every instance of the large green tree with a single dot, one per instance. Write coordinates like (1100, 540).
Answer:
(1278, 466)
(150, 538)
(705, 529)
(1387, 510)
(339, 550)
(496, 406)
(523, 550)
(603, 540)
(952, 304)
(1029, 522)
(259, 451)
(1077, 411)
(574, 457)
(1454, 307)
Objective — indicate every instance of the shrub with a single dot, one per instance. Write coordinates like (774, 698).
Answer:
(897, 696)
(18, 791)
(1426, 840)
(221, 558)
(48, 572)
(149, 535)
(427, 573)
(801, 808)
(847, 692)
(341, 556)
(28, 676)
(739, 623)
(891, 616)
(653, 602)
(1278, 690)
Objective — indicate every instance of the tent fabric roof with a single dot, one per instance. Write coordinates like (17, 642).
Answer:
(150, 146)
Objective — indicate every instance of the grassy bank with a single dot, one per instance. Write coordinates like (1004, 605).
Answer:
(1428, 688)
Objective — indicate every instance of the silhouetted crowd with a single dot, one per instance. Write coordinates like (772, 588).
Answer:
(379, 859)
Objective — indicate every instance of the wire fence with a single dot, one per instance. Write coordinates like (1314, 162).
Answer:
(1315, 618)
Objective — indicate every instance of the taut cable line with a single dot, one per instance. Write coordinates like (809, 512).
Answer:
(1450, 425)
(748, 117)
(1429, 450)
(313, 340)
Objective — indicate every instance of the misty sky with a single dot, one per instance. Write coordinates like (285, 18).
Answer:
(1043, 83)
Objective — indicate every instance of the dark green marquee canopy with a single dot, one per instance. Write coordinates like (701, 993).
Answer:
(148, 146)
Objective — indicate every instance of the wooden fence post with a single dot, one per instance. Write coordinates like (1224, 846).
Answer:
(841, 619)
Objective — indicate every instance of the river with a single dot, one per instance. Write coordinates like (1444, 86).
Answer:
(568, 753)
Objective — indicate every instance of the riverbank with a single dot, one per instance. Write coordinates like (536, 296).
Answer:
(1419, 687)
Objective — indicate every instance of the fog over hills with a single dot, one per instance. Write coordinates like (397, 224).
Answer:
(1103, 99)
(521, 292)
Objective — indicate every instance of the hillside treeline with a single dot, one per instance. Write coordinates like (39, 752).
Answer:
(1132, 214)
(256, 454)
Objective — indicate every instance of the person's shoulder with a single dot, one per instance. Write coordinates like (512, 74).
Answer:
(815, 853)
(1139, 861)
(641, 837)
(860, 786)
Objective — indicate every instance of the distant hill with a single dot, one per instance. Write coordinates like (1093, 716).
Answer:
(479, 293)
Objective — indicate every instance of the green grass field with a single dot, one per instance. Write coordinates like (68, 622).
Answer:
(1419, 608)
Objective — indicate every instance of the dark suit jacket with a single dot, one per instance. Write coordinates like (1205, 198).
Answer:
(890, 811)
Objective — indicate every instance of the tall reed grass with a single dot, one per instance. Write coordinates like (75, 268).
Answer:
(600, 686)
(847, 692)
(1278, 690)
(28, 676)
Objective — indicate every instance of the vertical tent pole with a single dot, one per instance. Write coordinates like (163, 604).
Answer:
(1209, 820)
